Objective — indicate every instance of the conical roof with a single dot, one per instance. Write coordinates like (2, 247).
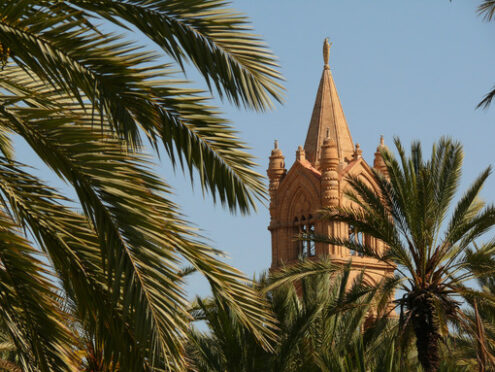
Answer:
(327, 118)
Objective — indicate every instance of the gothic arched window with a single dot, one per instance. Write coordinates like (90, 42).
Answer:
(304, 228)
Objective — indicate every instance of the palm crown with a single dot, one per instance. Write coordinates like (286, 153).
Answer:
(434, 255)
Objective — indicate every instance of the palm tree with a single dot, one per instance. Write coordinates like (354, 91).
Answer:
(434, 256)
(83, 99)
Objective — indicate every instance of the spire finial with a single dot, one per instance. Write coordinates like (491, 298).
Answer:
(357, 152)
(276, 151)
(326, 52)
(382, 141)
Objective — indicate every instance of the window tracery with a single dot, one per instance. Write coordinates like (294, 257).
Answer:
(304, 227)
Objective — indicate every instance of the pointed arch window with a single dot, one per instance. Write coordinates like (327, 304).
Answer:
(304, 226)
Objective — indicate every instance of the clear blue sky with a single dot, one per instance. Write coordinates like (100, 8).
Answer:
(413, 69)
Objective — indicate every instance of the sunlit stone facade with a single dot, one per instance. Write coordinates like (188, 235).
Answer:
(317, 180)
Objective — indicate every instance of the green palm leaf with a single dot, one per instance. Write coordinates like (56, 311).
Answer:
(29, 309)
(214, 38)
(139, 255)
(83, 99)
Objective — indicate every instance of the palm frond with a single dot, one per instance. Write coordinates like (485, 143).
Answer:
(6, 147)
(487, 100)
(302, 269)
(187, 127)
(217, 40)
(29, 307)
(466, 208)
(487, 9)
(74, 250)
(149, 231)
(82, 98)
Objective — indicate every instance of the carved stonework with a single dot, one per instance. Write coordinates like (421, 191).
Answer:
(329, 174)
(317, 180)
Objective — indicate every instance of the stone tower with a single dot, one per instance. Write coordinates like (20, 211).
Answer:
(317, 180)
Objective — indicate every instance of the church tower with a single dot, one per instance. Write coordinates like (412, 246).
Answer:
(317, 180)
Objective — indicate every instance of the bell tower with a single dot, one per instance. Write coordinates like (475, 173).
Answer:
(317, 180)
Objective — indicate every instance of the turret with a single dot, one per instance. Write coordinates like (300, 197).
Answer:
(276, 171)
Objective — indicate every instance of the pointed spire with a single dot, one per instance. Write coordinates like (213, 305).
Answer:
(328, 117)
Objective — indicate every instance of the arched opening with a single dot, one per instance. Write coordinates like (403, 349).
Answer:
(304, 228)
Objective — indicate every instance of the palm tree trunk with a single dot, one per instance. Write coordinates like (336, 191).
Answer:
(427, 336)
